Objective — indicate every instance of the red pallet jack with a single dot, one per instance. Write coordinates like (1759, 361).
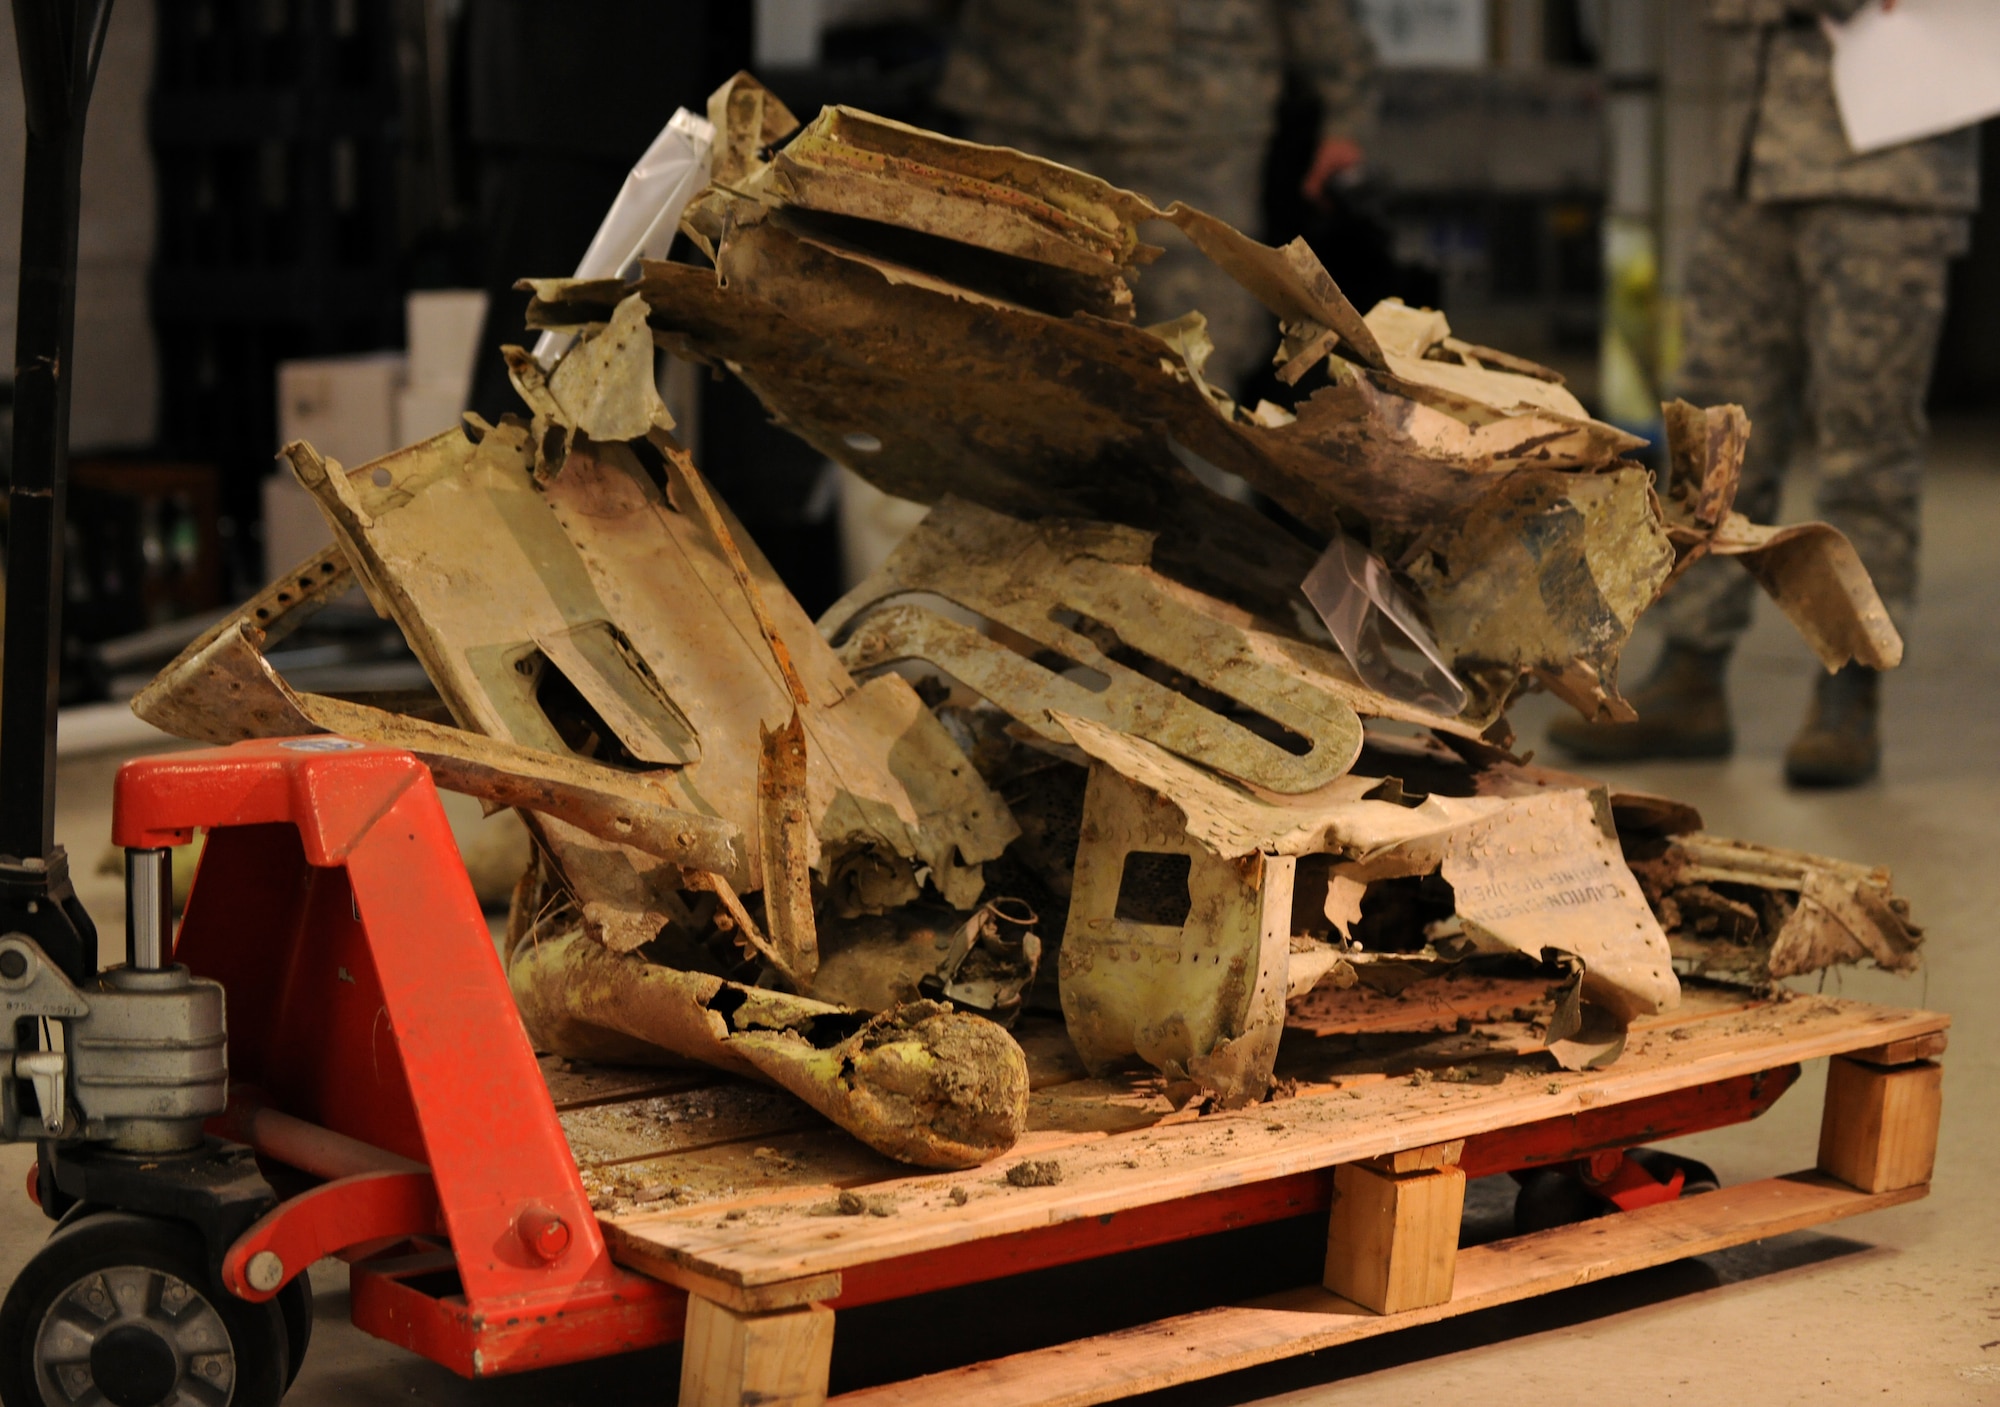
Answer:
(373, 1043)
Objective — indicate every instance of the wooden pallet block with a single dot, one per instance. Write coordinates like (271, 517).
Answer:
(1392, 1242)
(733, 1358)
(758, 1224)
(1880, 1125)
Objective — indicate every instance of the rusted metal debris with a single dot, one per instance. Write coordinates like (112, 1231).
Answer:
(585, 613)
(1082, 593)
(1754, 914)
(1525, 866)
(984, 962)
(919, 1081)
(1810, 569)
(222, 690)
(947, 318)
(610, 655)
(1148, 757)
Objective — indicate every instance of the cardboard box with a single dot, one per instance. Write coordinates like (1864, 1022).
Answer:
(443, 326)
(344, 407)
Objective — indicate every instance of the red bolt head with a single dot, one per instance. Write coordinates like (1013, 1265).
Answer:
(1601, 1167)
(542, 1231)
(553, 1238)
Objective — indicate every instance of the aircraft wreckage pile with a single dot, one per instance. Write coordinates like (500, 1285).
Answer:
(1146, 773)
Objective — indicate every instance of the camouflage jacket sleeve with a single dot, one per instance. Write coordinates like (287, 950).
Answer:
(1326, 44)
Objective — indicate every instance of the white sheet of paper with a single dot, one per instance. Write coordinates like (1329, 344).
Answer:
(1926, 67)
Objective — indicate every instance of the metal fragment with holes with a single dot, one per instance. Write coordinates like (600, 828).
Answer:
(588, 621)
(1131, 650)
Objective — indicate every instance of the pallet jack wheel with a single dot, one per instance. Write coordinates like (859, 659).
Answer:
(1559, 1196)
(295, 1303)
(121, 1309)
(1696, 1178)
(1551, 1197)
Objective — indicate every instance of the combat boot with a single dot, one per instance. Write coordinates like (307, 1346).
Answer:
(1683, 711)
(1840, 745)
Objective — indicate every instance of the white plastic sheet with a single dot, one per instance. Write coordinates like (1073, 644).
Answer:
(642, 220)
(1373, 622)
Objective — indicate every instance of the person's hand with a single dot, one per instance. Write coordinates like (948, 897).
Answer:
(1335, 156)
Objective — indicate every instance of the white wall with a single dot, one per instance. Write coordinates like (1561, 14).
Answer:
(114, 402)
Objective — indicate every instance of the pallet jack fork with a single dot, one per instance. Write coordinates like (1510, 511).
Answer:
(373, 1042)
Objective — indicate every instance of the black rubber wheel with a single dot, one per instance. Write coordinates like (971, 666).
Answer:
(1552, 1197)
(295, 1303)
(77, 1213)
(121, 1309)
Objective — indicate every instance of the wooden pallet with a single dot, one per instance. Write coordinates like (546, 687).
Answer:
(774, 1222)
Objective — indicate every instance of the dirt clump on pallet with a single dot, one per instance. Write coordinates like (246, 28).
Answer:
(1035, 1172)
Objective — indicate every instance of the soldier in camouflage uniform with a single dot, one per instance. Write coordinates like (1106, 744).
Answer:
(1816, 291)
(1174, 99)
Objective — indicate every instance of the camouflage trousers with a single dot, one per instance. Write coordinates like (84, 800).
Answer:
(1225, 179)
(1821, 319)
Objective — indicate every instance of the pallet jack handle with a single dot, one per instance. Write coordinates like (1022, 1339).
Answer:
(59, 43)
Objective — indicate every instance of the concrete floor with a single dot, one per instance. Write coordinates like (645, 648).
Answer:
(1902, 1306)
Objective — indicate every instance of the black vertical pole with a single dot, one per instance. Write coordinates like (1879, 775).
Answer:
(59, 43)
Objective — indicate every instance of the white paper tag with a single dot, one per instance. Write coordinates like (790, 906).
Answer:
(1925, 67)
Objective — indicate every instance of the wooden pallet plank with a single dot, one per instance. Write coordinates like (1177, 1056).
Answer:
(577, 1085)
(1925, 1047)
(636, 1153)
(813, 1164)
(736, 1173)
(676, 1121)
(1409, 1160)
(1089, 1238)
(766, 1176)
(1216, 1341)
(730, 1140)
(1255, 1203)
(784, 1240)
(756, 1299)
